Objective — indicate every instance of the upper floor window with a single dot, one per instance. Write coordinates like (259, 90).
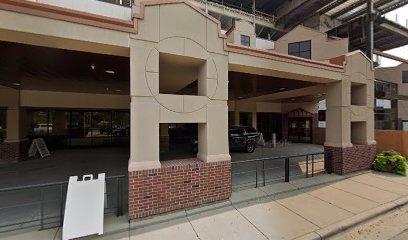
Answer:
(245, 40)
(404, 76)
(300, 49)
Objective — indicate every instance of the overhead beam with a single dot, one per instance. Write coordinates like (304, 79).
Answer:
(395, 44)
(390, 56)
(394, 6)
(362, 12)
(261, 19)
(288, 94)
(331, 6)
(302, 12)
(399, 30)
(347, 9)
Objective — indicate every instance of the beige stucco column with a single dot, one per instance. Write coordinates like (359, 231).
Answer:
(254, 120)
(15, 124)
(350, 144)
(144, 115)
(213, 135)
(237, 118)
(164, 137)
(144, 134)
(338, 115)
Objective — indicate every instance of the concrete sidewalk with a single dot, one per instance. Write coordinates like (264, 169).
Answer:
(304, 208)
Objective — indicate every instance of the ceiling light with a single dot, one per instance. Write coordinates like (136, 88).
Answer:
(282, 88)
(117, 90)
(16, 84)
(110, 71)
(93, 67)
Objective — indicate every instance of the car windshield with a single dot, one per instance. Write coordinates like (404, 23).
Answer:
(250, 130)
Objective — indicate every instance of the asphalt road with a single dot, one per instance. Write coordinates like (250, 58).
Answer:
(390, 226)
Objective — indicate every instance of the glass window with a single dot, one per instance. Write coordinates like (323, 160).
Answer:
(300, 49)
(405, 125)
(404, 76)
(245, 40)
(3, 124)
(59, 123)
(120, 124)
(39, 123)
(101, 124)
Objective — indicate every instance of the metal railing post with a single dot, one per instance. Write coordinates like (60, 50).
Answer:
(286, 169)
(256, 174)
(307, 166)
(312, 165)
(61, 205)
(119, 198)
(42, 209)
(263, 172)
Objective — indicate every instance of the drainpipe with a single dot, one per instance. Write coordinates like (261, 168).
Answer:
(253, 10)
(370, 29)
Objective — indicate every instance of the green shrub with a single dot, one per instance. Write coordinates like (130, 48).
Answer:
(391, 161)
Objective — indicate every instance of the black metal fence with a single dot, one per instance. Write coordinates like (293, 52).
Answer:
(42, 205)
(252, 172)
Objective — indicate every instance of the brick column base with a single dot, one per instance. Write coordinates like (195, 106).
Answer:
(178, 184)
(346, 160)
(13, 151)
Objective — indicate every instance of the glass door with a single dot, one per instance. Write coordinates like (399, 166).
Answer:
(300, 130)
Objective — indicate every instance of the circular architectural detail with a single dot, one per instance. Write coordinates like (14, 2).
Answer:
(186, 48)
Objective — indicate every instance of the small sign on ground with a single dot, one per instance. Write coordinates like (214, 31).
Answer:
(84, 207)
(39, 145)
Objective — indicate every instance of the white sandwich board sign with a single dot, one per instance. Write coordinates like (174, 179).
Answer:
(84, 207)
(39, 145)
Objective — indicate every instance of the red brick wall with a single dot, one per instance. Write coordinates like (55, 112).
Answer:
(346, 160)
(178, 184)
(13, 151)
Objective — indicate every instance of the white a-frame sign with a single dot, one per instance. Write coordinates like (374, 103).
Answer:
(39, 145)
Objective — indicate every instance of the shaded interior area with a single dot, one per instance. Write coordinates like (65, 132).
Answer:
(29, 67)
(78, 102)
(178, 141)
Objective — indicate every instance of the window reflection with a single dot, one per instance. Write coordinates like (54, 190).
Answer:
(79, 128)
(386, 108)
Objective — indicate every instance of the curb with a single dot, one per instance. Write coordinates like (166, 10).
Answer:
(340, 227)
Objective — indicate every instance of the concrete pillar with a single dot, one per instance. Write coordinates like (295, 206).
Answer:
(350, 144)
(254, 120)
(213, 136)
(164, 137)
(144, 134)
(15, 124)
(237, 118)
(15, 146)
(338, 114)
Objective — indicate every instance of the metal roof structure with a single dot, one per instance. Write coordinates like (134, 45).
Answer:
(348, 18)
(387, 34)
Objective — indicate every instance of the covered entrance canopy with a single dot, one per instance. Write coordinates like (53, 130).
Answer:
(71, 99)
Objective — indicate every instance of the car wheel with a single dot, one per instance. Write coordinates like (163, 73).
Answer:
(250, 148)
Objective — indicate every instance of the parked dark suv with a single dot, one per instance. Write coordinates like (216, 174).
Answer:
(242, 138)
(239, 139)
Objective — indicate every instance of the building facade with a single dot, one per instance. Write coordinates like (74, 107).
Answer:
(392, 96)
(172, 64)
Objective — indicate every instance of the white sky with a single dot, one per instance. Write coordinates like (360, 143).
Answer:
(402, 17)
